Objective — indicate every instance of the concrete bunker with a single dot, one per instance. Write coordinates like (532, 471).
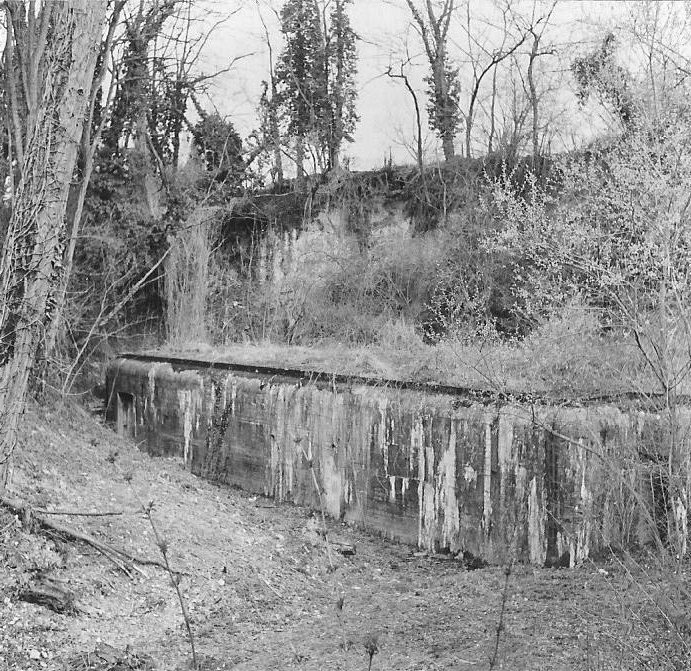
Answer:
(438, 467)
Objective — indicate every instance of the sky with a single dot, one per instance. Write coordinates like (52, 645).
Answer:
(387, 122)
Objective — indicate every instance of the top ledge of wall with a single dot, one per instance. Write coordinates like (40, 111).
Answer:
(465, 395)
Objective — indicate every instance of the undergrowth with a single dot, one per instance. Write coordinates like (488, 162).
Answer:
(434, 306)
(559, 359)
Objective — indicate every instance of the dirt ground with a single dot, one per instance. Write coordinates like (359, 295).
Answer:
(262, 594)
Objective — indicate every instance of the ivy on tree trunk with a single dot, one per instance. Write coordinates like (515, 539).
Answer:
(33, 247)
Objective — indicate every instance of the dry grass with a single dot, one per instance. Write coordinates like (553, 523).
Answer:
(187, 279)
(556, 360)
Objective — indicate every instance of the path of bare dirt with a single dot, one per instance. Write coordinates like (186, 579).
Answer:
(259, 587)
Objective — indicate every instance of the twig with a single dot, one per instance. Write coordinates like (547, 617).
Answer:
(22, 509)
(115, 560)
(271, 587)
(112, 553)
(321, 506)
(76, 513)
(174, 578)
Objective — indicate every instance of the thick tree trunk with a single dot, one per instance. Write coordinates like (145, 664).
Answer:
(91, 135)
(29, 267)
(73, 218)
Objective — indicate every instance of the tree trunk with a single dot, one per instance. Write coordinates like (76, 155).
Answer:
(445, 111)
(150, 185)
(91, 135)
(275, 137)
(299, 163)
(29, 267)
(334, 157)
(468, 133)
(73, 218)
(533, 99)
(492, 122)
(448, 146)
(48, 592)
(278, 164)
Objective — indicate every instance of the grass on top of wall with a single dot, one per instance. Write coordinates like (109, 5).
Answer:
(567, 357)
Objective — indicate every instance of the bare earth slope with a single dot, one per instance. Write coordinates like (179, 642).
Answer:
(259, 586)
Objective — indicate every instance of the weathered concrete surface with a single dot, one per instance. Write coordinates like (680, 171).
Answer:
(437, 470)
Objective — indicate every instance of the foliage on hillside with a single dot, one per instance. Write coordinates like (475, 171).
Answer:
(545, 271)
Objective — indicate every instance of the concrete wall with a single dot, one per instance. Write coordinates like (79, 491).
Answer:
(440, 470)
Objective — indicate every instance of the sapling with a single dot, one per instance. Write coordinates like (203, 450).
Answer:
(371, 643)
(162, 545)
(500, 623)
(324, 530)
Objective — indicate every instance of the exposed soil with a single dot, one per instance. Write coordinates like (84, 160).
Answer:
(262, 593)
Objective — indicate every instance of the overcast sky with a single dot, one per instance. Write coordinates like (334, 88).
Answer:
(387, 120)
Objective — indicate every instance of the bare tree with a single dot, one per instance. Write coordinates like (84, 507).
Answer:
(514, 110)
(444, 89)
(656, 38)
(90, 139)
(272, 128)
(536, 29)
(484, 60)
(33, 246)
(419, 153)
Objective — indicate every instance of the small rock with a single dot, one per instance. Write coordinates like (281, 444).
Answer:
(34, 654)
